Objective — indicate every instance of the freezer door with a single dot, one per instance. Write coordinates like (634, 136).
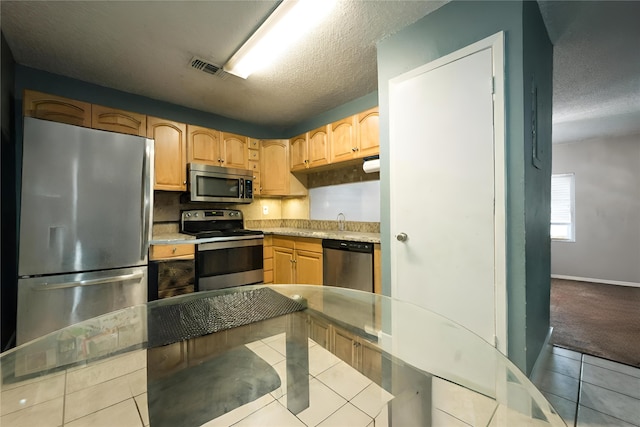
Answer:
(49, 303)
(86, 199)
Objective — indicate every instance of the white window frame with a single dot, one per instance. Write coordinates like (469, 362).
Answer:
(568, 224)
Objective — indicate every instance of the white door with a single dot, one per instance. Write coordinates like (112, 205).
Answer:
(445, 170)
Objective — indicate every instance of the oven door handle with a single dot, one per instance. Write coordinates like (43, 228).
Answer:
(227, 244)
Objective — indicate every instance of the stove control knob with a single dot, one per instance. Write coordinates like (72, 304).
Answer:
(188, 214)
(195, 214)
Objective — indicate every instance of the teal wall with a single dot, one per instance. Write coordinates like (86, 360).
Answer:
(31, 78)
(453, 26)
(538, 71)
(340, 112)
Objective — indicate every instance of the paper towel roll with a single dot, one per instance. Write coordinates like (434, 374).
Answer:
(371, 166)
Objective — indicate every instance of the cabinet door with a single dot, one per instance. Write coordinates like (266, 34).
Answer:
(170, 153)
(370, 361)
(298, 147)
(235, 151)
(368, 132)
(318, 151)
(120, 121)
(274, 167)
(282, 265)
(343, 141)
(319, 332)
(203, 145)
(56, 108)
(344, 346)
(308, 268)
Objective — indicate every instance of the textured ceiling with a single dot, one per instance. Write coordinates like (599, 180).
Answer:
(145, 47)
(596, 68)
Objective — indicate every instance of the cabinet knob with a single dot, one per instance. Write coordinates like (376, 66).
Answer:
(174, 250)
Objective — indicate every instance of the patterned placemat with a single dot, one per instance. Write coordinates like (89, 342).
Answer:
(197, 317)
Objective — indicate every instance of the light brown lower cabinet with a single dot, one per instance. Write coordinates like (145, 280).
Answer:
(297, 260)
(356, 351)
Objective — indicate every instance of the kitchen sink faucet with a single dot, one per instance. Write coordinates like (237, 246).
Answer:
(341, 219)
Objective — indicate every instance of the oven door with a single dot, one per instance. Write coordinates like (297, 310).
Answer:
(228, 263)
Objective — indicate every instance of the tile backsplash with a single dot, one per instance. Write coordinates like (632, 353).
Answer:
(310, 224)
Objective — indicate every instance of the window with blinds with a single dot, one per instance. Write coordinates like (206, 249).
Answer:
(563, 207)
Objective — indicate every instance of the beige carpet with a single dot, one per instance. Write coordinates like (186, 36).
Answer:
(597, 319)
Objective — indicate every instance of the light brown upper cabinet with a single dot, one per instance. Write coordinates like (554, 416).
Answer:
(368, 133)
(311, 149)
(298, 146)
(170, 153)
(343, 140)
(204, 146)
(235, 150)
(318, 152)
(56, 108)
(114, 120)
(276, 178)
(274, 167)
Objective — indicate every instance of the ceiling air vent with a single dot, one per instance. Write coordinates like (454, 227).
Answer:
(207, 67)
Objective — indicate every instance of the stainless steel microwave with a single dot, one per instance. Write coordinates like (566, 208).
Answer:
(221, 185)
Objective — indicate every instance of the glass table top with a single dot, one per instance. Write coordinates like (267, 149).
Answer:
(267, 355)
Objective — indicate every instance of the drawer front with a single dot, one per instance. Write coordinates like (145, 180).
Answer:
(268, 264)
(254, 155)
(283, 242)
(182, 251)
(309, 244)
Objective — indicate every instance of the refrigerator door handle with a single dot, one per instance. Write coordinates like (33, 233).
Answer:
(147, 196)
(101, 281)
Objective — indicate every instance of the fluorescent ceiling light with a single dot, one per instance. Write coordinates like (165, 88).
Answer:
(286, 25)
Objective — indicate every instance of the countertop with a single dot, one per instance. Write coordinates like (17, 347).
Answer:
(355, 236)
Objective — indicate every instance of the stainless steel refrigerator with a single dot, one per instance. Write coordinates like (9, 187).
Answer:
(85, 224)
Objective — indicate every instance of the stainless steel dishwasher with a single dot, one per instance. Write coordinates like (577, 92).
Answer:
(347, 264)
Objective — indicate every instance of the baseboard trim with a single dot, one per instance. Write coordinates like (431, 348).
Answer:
(541, 360)
(588, 279)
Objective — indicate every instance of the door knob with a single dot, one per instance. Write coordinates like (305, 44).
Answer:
(402, 237)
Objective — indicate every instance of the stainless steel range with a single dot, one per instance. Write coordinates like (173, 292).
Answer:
(226, 254)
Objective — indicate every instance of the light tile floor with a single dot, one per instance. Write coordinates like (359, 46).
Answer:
(588, 391)
(585, 390)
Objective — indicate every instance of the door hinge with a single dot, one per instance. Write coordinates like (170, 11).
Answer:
(493, 85)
